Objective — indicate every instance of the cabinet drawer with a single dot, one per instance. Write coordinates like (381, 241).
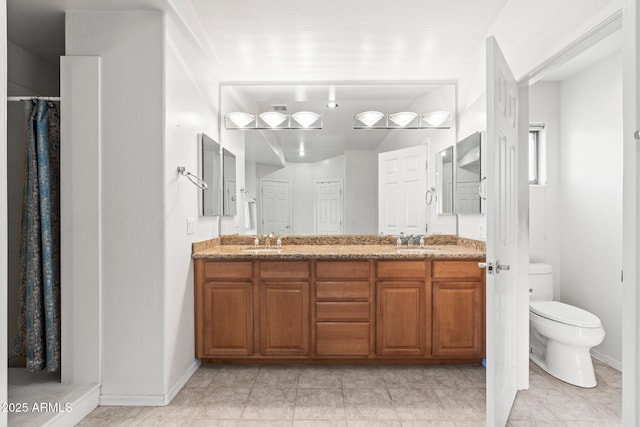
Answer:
(342, 311)
(342, 339)
(336, 291)
(284, 270)
(228, 269)
(402, 269)
(457, 270)
(342, 269)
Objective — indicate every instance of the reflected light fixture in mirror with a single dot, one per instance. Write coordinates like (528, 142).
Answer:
(369, 118)
(436, 118)
(273, 118)
(240, 119)
(403, 118)
(305, 118)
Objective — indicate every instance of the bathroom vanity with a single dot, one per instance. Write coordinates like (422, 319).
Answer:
(328, 302)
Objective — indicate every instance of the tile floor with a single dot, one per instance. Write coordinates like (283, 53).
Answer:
(371, 396)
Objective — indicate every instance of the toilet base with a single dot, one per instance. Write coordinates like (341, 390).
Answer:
(568, 363)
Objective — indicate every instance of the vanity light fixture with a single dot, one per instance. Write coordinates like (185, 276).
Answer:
(436, 118)
(369, 119)
(402, 120)
(239, 119)
(332, 104)
(273, 120)
(305, 118)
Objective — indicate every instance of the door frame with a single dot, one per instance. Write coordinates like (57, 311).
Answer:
(630, 218)
(631, 222)
(315, 203)
(260, 224)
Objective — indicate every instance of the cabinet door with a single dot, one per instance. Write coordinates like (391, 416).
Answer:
(458, 323)
(284, 318)
(401, 318)
(225, 319)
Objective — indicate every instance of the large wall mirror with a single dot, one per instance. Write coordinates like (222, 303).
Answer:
(210, 169)
(467, 194)
(300, 163)
(444, 180)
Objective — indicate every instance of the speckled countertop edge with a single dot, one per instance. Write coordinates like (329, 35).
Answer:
(338, 247)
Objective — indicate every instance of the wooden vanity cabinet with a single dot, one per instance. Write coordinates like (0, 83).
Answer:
(343, 308)
(458, 309)
(401, 308)
(224, 309)
(283, 308)
(431, 310)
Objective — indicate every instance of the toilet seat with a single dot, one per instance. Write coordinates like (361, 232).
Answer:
(565, 313)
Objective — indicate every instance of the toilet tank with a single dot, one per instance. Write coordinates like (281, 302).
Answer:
(540, 282)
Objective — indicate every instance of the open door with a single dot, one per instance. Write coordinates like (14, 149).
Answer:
(502, 236)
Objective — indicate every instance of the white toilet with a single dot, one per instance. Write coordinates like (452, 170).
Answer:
(561, 335)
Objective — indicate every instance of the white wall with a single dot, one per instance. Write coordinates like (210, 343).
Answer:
(154, 105)
(360, 192)
(544, 219)
(189, 111)
(591, 196)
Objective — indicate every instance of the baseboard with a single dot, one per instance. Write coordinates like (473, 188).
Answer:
(150, 400)
(615, 364)
(82, 406)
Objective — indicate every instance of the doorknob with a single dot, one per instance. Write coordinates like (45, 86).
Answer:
(636, 135)
(501, 267)
(491, 267)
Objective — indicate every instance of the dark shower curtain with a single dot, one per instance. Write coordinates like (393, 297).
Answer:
(38, 338)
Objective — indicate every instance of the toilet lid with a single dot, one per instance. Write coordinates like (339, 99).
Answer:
(565, 313)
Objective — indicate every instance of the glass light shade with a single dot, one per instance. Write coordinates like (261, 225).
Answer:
(305, 118)
(240, 119)
(273, 118)
(403, 118)
(369, 118)
(436, 118)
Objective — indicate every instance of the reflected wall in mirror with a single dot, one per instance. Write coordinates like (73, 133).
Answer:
(444, 180)
(210, 170)
(467, 194)
(229, 183)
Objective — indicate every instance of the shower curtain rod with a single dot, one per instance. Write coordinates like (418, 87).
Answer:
(28, 98)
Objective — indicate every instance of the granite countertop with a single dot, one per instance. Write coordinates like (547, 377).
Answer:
(345, 247)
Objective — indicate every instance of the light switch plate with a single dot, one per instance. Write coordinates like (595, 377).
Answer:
(191, 225)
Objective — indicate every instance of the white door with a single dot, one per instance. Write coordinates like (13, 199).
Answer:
(328, 207)
(402, 186)
(502, 235)
(276, 207)
(631, 217)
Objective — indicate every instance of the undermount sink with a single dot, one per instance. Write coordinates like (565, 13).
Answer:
(263, 250)
(416, 250)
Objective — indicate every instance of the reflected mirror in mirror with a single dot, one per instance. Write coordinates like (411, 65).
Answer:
(209, 170)
(444, 180)
(467, 196)
(229, 182)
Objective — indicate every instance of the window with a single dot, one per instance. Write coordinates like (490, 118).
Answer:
(536, 155)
